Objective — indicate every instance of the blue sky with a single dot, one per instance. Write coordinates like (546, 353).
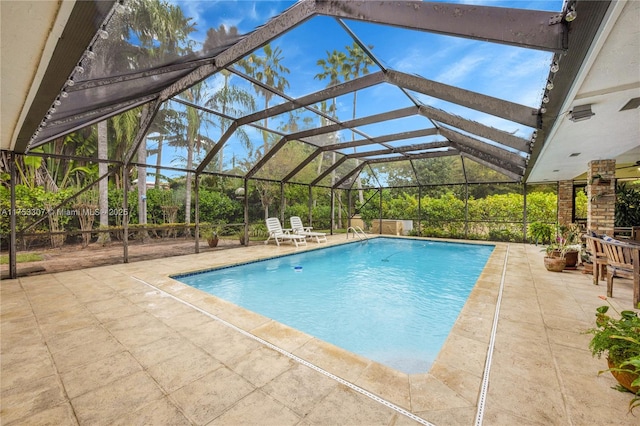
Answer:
(505, 72)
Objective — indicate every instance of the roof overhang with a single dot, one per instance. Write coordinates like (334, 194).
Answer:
(43, 41)
(607, 77)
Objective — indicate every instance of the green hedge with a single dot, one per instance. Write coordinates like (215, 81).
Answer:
(495, 217)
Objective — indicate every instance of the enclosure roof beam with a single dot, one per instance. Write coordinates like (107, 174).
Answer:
(399, 158)
(356, 170)
(410, 157)
(349, 125)
(302, 165)
(188, 62)
(382, 139)
(481, 159)
(531, 29)
(267, 156)
(322, 95)
(275, 27)
(88, 118)
(101, 112)
(280, 24)
(105, 81)
(415, 172)
(494, 151)
(499, 136)
(217, 147)
(498, 107)
(385, 116)
(329, 170)
(148, 113)
(400, 150)
(203, 108)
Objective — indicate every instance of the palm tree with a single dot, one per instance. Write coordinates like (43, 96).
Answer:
(103, 185)
(229, 100)
(123, 130)
(357, 61)
(219, 37)
(158, 32)
(193, 139)
(335, 68)
(268, 70)
(166, 122)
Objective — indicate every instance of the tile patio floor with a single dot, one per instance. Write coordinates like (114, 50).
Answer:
(126, 345)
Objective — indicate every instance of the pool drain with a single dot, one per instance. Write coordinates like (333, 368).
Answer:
(487, 366)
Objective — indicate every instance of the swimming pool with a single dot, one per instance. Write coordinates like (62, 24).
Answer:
(391, 300)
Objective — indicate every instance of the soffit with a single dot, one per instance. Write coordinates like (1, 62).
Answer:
(28, 32)
(609, 79)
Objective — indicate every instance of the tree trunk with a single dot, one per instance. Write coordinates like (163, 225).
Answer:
(142, 191)
(103, 185)
(158, 162)
(333, 181)
(187, 198)
(353, 138)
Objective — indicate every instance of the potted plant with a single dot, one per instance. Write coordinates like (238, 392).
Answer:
(566, 246)
(211, 232)
(554, 260)
(585, 259)
(619, 340)
(572, 242)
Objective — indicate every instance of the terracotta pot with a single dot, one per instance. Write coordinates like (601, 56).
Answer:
(625, 379)
(571, 259)
(213, 242)
(554, 264)
(556, 253)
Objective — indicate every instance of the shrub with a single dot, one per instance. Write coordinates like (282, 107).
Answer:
(540, 233)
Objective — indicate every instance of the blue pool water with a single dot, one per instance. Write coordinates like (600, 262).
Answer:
(391, 300)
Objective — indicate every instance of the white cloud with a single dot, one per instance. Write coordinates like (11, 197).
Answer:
(412, 61)
(426, 53)
(460, 70)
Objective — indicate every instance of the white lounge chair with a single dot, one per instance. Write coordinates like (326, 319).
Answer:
(300, 229)
(277, 233)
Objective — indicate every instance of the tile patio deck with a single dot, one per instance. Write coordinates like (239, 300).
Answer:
(126, 344)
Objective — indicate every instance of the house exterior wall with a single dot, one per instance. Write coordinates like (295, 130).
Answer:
(601, 194)
(565, 202)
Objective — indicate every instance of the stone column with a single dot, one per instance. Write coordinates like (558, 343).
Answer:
(601, 194)
(565, 202)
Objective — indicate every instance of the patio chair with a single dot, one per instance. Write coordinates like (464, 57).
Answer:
(306, 231)
(623, 260)
(278, 234)
(598, 258)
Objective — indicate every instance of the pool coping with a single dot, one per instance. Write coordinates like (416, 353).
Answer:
(457, 371)
(100, 346)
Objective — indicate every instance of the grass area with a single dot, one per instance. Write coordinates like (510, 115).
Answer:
(22, 258)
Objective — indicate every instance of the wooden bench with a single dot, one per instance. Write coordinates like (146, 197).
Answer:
(623, 260)
(598, 258)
